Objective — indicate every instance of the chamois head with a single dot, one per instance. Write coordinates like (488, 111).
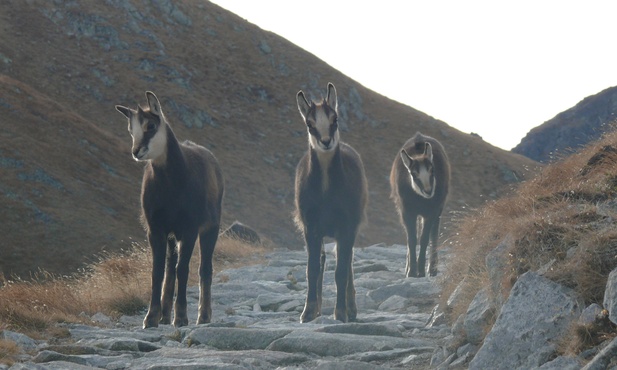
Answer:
(147, 128)
(420, 170)
(321, 120)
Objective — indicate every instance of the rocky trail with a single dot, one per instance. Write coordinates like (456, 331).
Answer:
(256, 311)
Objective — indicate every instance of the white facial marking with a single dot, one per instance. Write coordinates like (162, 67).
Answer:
(154, 148)
(158, 145)
(325, 142)
(424, 178)
(137, 133)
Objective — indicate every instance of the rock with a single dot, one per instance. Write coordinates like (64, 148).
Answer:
(22, 340)
(393, 303)
(590, 314)
(240, 231)
(410, 288)
(324, 344)
(604, 358)
(479, 316)
(537, 313)
(562, 363)
(255, 324)
(387, 330)
(496, 264)
(236, 339)
(610, 296)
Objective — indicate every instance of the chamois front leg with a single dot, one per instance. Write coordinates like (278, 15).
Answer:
(207, 242)
(411, 268)
(428, 224)
(169, 284)
(345, 309)
(157, 244)
(186, 246)
(432, 267)
(314, 277)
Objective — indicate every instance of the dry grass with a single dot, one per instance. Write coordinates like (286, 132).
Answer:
(8, 352)
(561, 220)
(118, 284)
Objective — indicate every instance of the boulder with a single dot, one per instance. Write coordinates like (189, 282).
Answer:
(536, 314)
(610, 296)
(240, 231)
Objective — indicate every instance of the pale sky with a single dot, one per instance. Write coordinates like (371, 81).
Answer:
(496, 68)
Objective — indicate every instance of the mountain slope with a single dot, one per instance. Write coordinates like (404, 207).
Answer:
(572, 129)
(68, 184)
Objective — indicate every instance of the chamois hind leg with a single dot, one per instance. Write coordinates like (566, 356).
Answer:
(314, 276)
(343, 278)
(411, 269)
(169, 284)
(185, 251)
(207, 242)
(157, 243)
(432, 267)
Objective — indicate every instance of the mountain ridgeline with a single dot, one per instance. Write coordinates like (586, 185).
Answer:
(568, 131)
(69, 187)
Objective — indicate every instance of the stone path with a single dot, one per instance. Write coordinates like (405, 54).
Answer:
(256, 311)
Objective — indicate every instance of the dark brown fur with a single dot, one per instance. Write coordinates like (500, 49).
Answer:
(410, 205)
(181, 201)
(336, 212)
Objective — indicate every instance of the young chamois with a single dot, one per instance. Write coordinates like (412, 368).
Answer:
(181, 197)
(331, 197)
(420, 179)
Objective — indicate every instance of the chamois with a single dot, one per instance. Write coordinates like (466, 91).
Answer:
(420, 179)
(181, 197)
(331, 194)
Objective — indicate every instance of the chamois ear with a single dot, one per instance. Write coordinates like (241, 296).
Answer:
(124, 110)
(331, 97)
(428, 151)
(303, 104)
(406, 159)
(154, 104)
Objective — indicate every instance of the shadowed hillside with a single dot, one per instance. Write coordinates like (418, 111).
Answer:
(68, 185)
(572, 129)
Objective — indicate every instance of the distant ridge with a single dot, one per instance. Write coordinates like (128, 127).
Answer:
(571, 129)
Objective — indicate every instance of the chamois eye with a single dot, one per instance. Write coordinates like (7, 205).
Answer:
(150, 126)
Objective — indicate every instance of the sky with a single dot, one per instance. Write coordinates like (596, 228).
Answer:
(495, 68)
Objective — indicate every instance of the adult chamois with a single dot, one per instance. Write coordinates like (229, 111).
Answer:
(330, 198)
(420, 179)
(181, 197)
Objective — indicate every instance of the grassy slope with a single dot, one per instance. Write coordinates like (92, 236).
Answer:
(66, 174)
(562, 222)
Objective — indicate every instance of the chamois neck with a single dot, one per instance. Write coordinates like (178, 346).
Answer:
(172, 159)
(324, 161)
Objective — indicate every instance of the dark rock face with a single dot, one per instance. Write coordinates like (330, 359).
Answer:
(571, 129)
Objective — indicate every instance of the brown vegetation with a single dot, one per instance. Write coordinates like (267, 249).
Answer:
(562, 222)
(66, 173)
(116, 285)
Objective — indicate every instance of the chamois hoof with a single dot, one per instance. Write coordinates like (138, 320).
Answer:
(151, 321)
(352, 315)
(165, 320)
(309, 314)
(179, 322)
(341, 315)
